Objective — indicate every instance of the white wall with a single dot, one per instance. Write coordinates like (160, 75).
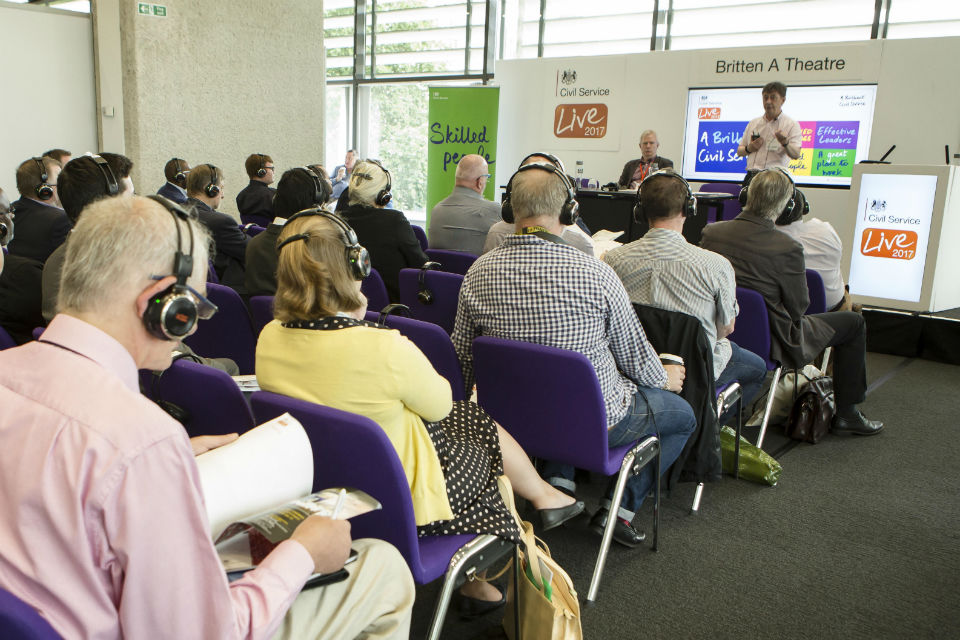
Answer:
(48, 86)
(916, 109)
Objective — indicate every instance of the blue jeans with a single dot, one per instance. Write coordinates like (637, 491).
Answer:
(674, 420)
(749, 370)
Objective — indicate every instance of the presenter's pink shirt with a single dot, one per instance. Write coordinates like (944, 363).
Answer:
(102, 523)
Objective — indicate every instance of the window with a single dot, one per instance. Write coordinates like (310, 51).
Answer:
(912, 19)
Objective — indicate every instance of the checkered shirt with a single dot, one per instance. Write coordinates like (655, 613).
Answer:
(663, 270)
(533, 290)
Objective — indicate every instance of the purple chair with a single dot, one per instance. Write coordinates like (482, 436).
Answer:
(212, 274)
(444, 289)
(752, 332)
(375, 290)
(228, 334)
(421, 235)
(452, 261)
(567, 422)
(6, 340)
(350, 450)
(261, 312)
(434, 342)
(731, 208)
(252, 229)
(818, 293)
(20, 620)
(212, 402)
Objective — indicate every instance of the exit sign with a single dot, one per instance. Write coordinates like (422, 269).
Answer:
(149, 9)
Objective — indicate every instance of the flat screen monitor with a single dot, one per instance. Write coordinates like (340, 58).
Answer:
(835, 123)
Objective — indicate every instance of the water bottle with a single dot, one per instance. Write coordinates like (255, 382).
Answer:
(580, 174)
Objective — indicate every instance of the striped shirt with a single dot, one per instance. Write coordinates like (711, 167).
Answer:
(533, 290)
(663, 270)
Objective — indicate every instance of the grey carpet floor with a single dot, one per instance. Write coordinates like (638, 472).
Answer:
(858, 540)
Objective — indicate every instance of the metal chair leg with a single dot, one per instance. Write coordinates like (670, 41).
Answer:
(635, 459)
(695, 508)
(766, 411)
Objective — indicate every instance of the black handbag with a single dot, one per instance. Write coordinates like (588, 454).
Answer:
(812, 412)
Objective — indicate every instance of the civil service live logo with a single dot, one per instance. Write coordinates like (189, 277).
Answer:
(574, 119)
(876, 242)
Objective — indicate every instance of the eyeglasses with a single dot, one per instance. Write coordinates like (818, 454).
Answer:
(484, 175)
(205, 308)
(269, 167)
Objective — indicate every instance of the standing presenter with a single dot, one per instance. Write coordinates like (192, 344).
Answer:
(772, 139)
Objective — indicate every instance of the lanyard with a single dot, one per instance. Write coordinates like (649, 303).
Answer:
(540, 232)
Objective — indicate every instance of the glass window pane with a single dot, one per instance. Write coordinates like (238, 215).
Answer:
(702, 24)
(338, 37)
(337, 125)
(927, 19)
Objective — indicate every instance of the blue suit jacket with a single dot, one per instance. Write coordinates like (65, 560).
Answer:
(170, 192)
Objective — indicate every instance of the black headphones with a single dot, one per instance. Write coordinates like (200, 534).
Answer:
(689, 200)
(557, 162)
(213, 189)
(172, 313)
(318, 187)
(43, 190)
(569, 212)
(113, 187)
(180, 177)
(384, 196)
(262, 171)
(424, 295)
(358, 259)
(795, 208)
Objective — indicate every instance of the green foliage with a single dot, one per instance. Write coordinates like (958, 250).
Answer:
(398, 119)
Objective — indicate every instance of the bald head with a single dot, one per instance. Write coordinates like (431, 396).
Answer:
(472, 172)
(537, 193)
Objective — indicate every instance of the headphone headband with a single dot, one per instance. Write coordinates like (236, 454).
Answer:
(358, 259)
(262, 170)
(689, 202)
(213, 189)
(384, 196)
(172, 313)
(113, 187)
(43, 190)
(557, 162)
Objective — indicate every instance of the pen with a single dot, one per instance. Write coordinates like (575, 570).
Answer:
(336, 509)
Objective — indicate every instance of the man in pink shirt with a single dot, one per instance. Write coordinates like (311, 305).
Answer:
(102, 524)
(773, 139)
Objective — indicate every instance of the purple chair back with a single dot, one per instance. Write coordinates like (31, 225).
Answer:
(213, 401)
(817, 292)
(445, 288)
(252, 229)
(6, 340)
(731, 208)
(434, 342)
(212, 273)
(228, 334)
(350, 450)
(421, 235)
(568, 421)
(261, 312)
(20, 620)
(752, 330)
(375, 290)
(452, 261)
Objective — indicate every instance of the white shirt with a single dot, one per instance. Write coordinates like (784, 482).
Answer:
(822, 250)
(772, 153)
(572, 235)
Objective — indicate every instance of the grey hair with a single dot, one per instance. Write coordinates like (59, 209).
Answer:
(768, 192)
(537, 193)
(366, 181)
(647, 132)
(117, 245)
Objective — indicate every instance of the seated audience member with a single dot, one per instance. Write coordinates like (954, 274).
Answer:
(636, 170)
(573, 234)
(771, 263)
(255, 201)
(60, 155)
(384, 232)
(111, 537)
(42, 226)
(460, 221)
(822, 250)
(19, 284)
(320, 171)
(343, 172)
(298, 189)
(537, 288)
(82, 182)
(205, 193)
(175, 188)
(319, 348)
(663, 270)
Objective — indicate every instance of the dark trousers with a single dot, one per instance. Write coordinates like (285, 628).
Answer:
(849, 344)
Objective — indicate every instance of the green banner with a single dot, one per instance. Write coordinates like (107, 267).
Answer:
(463, 120)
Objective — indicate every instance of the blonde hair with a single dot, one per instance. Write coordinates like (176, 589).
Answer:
(367, 180)
(313, 278)
(117, 244)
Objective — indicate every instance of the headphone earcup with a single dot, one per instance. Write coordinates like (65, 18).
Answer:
(358, 259)
(743, 196)
(44, 191)
(384, 198)
(570, 212)
(261, 172)
(425, 296)
(506, 210)
(170, 315)
(638, 213)
(212, 190)
(690, 206)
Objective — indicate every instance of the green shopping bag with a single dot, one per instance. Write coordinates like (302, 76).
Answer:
(756, 465)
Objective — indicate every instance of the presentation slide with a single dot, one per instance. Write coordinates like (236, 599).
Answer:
(834, 121)
(894, 213)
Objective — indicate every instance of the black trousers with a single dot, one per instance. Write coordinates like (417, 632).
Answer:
(849, 344)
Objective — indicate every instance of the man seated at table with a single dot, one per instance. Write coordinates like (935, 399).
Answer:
(636, 170)
(102, 519)
(663, 270)
(771, 263)
(460, 221)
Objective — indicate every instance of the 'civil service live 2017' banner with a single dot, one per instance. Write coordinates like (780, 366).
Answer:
(463, 120)
(581, 105)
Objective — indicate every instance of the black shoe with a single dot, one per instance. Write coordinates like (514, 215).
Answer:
(858, 426)
(623, 533)
(551, 518)
(471, 608)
